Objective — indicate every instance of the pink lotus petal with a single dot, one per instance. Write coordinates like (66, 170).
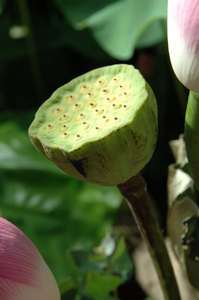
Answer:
(23, 272)
(183, 41)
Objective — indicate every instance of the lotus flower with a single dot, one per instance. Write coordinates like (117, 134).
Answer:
(183, 41)
(24, 275)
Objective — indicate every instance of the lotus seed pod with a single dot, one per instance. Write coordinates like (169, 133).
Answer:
(100, 127)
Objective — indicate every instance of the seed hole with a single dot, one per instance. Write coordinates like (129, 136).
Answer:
(80, 117)
(86, 126)
(49, 127)
(64, 128)
(93, 104)
(70, 98)
(105, 92)
(127, 94)
(84, 88)
(76, 106)
(116, 79)
(79, 137)
(101, 82)
(117, 106)
(90, 95)
(66, 135)
(57, 111)
(64, 117)
(110, 99)
(99, 111)
(122, 86)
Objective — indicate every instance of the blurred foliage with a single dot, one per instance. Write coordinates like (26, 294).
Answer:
(118, 26)
(97, 273)
(44, 44)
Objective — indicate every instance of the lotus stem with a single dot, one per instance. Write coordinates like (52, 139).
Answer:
(135, 192)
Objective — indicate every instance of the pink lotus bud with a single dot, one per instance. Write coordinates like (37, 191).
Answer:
(183, 41)
(24, 275)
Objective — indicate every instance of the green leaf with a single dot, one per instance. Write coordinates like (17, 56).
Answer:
(121, 247)
(121, 262)
(99, 287)
(118, 25)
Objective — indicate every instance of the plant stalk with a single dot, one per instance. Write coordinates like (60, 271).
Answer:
(191, 135)
(136, 195)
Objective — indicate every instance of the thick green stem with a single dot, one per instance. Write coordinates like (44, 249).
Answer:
(191, 135)
(135, 192)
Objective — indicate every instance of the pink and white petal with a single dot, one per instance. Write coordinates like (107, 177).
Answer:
(23, 272)
(10, 290)
(19, 258)
(183, 41)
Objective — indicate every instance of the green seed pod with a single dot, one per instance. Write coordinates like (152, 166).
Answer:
(100, 127)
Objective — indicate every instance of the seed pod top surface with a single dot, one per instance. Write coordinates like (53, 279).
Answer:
(93, 126)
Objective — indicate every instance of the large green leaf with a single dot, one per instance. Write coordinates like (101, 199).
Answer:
(118, 25)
